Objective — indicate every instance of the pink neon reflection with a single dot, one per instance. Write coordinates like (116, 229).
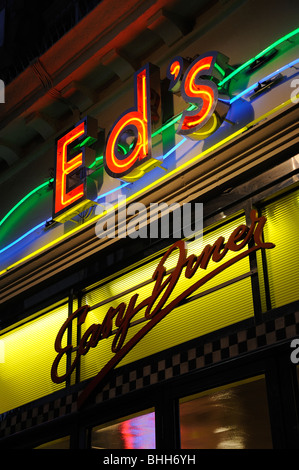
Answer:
(139, 432)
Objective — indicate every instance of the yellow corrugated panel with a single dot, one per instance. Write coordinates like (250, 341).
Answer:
(29, 353)
(282, 228)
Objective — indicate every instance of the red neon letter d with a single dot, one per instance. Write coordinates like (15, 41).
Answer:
(129, 141)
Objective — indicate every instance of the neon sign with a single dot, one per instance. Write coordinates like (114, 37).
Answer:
(227, 73)
(70, 182)
(201, 92)
(134, 125)
(157, 305)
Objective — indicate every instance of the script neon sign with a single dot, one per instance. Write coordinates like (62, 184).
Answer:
(156, 306)
(135, 124)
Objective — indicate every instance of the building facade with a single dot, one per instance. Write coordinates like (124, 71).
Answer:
(125, 328)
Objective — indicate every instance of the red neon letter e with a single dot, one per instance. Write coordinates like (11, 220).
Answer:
(64, 167)
(135, 126)
(70, 185)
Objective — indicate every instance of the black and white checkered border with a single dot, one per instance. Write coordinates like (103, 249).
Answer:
(204, 354)
(31, 415)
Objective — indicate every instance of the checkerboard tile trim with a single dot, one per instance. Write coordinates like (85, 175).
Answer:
(229, 346)
(204, 354)
(31, 415)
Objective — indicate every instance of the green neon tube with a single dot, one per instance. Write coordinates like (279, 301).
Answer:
(41, 186)
(258, 56)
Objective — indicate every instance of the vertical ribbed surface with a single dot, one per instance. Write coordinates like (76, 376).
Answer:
(29, 354)
(282, 228)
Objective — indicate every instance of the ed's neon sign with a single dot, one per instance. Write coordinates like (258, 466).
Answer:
(202, 121)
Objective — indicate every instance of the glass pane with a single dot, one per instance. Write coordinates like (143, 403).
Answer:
(231, 417)
(135, 432)
(63, 443)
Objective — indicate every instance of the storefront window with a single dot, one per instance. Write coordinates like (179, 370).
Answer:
(230, 417)
(132, 432)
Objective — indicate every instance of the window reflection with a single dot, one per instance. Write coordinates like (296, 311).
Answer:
(135, 432)
(233, 417)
